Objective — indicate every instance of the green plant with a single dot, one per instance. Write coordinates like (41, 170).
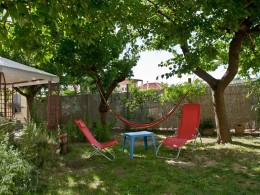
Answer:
(206, 123)
(6, 127)
(102, 133)
(17, 175)
(73, 132)
(36, 144)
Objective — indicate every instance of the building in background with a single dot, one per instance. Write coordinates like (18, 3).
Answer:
(123, 84)
(153, 85)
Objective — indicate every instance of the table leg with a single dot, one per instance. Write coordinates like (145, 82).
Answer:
(154, 144)
(145, 143)
(132, 140)
(124, 144)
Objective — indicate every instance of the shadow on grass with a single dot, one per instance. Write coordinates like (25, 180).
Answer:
(208, 166)
(246, 145)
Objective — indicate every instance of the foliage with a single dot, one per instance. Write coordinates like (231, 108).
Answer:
(36, 144)
(206, 123)
(102, 133)
(138, 97)
(202, 37)
(169, 94)
(73, 132)
(37, 25)
(173, 93)
(105, 62)
(6, 127)
(255, 89)
(18, 176)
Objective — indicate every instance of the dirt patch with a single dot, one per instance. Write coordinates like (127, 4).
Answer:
(76, 163)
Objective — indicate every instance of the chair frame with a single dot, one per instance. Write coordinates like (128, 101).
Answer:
(196, 135)
(98, 147)
(179, 148)
(97, 151)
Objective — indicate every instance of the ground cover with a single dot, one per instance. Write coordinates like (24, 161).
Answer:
(210, 169)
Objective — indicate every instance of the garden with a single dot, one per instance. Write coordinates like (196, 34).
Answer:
(33, 165)
(89, 48)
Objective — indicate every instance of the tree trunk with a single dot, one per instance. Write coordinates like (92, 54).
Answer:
(103, 109)
(30, 93)
(30, 101)
(223, 130)
(218, 86)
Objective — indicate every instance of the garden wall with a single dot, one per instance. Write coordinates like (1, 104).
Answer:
(239, 108)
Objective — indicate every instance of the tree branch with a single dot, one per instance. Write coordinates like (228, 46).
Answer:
(161, 12)
(206, 77)
(251, 41)
(20, 91)
(198, 71)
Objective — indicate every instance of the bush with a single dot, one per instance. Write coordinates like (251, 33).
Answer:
(6, 127)
(102, 133)
(206, 123)
(36, 144)
(18, 176)
(73, 132)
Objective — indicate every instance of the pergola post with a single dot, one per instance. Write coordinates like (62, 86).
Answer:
(53, 105)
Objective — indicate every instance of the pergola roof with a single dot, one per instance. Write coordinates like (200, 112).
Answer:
(17, 74)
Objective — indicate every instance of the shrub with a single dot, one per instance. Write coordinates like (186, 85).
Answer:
(206, 123)
(36, 144)
(6, 127)
(73, 132)
(17, 175)
(102, 133)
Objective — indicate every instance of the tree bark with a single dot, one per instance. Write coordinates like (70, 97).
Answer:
(103, 109)
(30, 92)
(104, 95)
(221, 120)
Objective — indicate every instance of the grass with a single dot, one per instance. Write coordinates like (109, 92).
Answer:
(210, 169)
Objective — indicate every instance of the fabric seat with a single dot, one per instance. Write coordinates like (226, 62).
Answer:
(98, 147)
(188, 129)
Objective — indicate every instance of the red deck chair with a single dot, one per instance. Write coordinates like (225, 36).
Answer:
(98, 147)
(188, 129)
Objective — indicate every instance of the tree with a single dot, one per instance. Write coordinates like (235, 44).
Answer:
(37, 26)
(108, 61)
(208, 33)
(38, 21)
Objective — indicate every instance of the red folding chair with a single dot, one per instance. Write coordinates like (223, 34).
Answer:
(188, 130)
(98, 147)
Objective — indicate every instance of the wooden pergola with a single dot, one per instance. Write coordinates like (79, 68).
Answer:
(14, 74)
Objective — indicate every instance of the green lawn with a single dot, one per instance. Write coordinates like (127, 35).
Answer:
(210, 169)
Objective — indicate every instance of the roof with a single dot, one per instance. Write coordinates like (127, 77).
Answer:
(126, 81)
(17, 74)
(151, 86)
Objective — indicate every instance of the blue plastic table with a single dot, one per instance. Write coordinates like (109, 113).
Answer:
(133, 135)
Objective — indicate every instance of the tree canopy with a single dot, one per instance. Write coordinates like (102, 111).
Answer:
(108, 61)
(202, 35)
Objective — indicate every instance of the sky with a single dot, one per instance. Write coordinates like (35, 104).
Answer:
(147, 68)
